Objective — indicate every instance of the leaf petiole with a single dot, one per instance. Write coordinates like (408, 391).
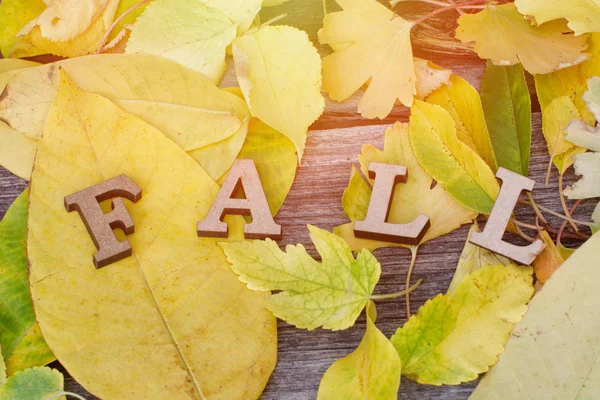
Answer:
(447, 7)
(397, 294)
(564, 203)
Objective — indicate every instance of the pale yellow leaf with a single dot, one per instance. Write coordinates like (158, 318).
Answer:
(241, 12)
(430, 77)
(583, 15)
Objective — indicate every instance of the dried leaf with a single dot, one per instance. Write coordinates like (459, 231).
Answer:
(583, 15)
(430, 77)
(178, 315)
(331, 293)
(454, 338)
(15, 14)
(548, 261)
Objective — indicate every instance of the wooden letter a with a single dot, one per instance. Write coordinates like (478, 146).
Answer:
(243, 176)
(375, 225)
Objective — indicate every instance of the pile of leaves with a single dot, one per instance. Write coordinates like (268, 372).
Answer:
(136, 87)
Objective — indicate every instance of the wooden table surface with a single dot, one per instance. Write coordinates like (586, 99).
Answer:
(315, 198)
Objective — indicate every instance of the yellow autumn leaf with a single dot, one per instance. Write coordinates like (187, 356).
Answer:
(279, 72)
(583, 15)
(189, 32)
(411, 199)
(35, 43)
(502, 35)
(376, 49)
(463, 103)
(463, 173)
(372, 371)
(173, 317)
(553, 352)
(124, 22)
(15, 14)
(430, 77)
(456, 337)
(241, 12)
(331, 293)
(548, 261)
(271, 3)
(153, 88)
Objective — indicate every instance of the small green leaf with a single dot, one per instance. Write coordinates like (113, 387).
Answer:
(37, 383)
(507, 107)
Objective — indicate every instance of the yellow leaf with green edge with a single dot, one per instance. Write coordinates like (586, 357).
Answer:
(472, 259)
(583, 15)
(279, 72)
(15, 14)
(153, 88)
(176, 297)
(555, 119)
(329, 294)
(507, 108)
(372, 371)
(188, 32)
(548, 261)
(411, 199)
(38, 383)
(553, 352)
(572, 81)
(241, 12)
(20, 339)
(453, 164)
(376, 50)
(124, 22)
(275, 158)
(456, 337)
(34, 43)
(463, 103)
(502, 35)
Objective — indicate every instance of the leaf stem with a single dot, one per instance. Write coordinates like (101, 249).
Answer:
(63, 393)
(394, 3)
(397, 294)
(413, 259)
(535, 207)
(523, 225)
(110, 29)
(476, 3)
(564, 202)
(559, 215)
(564, 224)
(521, 233)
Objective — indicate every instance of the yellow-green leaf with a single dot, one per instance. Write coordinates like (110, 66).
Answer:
(20, 339)
(473, 258)
(583, 15)
(372, 44)
(553, 352)
(331, 293)
(463, 103)
(463, 173)
(2, 370)
(241, 12)
(15, 14)
(173, 315)
(411, 199)
(38, 383)
(502, 35)
(454, 338)
(372, 371)
(279, 72)
(189, 32)
(507, 107)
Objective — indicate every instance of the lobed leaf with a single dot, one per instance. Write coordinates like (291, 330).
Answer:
(583, 15)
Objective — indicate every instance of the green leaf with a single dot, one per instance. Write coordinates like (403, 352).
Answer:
(20, 338)
(2, 370)
(507, 107)
(553, 352)
(331, 293)
(454, 338)
(462, 172)
(372, 371)
(15, 14)
(37, 383)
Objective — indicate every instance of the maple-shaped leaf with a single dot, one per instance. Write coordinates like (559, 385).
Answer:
(411, 199)
(372, 371)
(330, 293)
(189, 32)
(37, 383)
(279, 72)
(372, 44)
(463, 103)
(455, 337)
(453, 164)
(502, 35)
(15, 14)
(175, 297)
(553, 352)
(583, 15)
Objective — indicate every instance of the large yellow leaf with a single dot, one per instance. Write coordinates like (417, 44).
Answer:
(462, 172)
(189, 32)
(372, 371)
(455, 337)
(376, 49)
(463, 103)
(279, 72)
(502, 35)
(15, 14)
(150, 87)
(242, 12)
(583, 15)
(171, 321)
(411, 199)
(553, 352)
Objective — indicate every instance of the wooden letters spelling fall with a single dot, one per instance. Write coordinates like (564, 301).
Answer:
(243, 179)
